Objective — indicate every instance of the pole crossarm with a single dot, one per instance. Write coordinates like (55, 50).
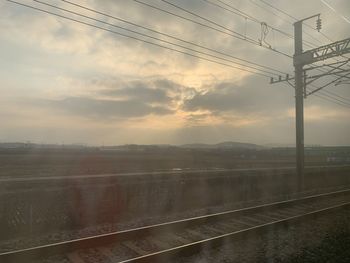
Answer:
(334, 69)
(324, 52)
(287, 77)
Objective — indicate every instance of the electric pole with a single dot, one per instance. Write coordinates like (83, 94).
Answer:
(300, 59)
(299, 104)
(299, 98)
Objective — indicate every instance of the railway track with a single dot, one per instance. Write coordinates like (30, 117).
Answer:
(162, 242)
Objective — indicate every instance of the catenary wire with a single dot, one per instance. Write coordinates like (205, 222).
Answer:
(329, 94)
(179, 51)
(331, 100)
(238, 12)
(214, 23)
(155, 38)
(296, 19)
(335, 94)
(325, 97)
(208, 20)
(136, 38)
(322, 94)
(205, 25)
(306, 33)
(172, 37)
(192, 21)
(245, 15)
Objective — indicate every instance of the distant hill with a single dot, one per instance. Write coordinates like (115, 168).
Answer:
(29, 145)
(197, 146)
(223, 145)
(137, 147)
(239, 145)
(291, 145)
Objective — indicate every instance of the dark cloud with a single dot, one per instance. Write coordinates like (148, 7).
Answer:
(167, 85)
(105, 109)
(254, 96)
(157, 91)
(139, 92)
(116, 99)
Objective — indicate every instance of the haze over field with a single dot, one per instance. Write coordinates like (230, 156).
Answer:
(65, 82)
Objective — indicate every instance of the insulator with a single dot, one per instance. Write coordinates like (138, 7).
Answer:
(318, 24)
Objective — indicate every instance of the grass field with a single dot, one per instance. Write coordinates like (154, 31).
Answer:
(46, 162)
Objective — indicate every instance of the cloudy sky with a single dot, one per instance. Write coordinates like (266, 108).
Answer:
(65, 82)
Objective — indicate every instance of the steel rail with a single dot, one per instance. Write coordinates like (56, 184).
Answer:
(173, 226)
(211, 242)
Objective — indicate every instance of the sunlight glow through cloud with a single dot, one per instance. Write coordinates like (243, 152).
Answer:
(60, 76)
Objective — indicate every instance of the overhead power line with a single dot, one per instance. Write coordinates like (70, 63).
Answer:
(246, 16)
(243, 14)
(213, 22)
(327, 98)
(335, 11)
(236, 11)
(146, 35)
(136, 38)
(296, 19)
(172, 37)
(254, 19)
(332, 96)
(279, 10)
(269, 11)
(155, 38)
(322, 94)
(336, 95)
(282, 18)
(254, 42)
(210, 21)
(330, 99)
(232, 33)
(232, 9)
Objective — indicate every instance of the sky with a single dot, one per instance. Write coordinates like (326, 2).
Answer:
(66, 82)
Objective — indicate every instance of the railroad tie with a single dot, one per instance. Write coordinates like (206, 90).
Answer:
(131, 245)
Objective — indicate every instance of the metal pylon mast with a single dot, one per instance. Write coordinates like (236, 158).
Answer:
(302, 79)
